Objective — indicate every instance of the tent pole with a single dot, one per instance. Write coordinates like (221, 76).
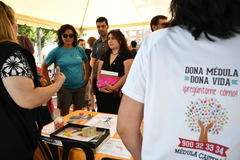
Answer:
(39, 46)
(84, 15)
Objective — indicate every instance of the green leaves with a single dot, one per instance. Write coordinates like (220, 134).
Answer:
(46, 35)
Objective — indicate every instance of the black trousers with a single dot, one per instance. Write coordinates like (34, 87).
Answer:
(97, 94)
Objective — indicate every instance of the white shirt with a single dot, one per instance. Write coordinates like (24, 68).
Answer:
(184, 84)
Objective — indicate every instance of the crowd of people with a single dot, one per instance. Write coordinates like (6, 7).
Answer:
(145, 85)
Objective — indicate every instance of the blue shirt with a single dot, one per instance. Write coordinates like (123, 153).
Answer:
(70, 62)
(97, 52)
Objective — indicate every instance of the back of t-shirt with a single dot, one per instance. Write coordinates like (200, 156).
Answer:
(190, 90)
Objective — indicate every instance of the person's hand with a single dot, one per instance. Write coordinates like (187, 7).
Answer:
(105, 90)
(109, 86)
(59, 77)
(43, 82)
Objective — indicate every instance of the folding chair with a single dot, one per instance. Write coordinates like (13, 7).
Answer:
(69, 144)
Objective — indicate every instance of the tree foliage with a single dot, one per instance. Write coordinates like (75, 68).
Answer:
(207, 111)
(47, 35)
(28, 31)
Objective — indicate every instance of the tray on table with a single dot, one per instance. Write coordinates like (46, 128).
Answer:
(74, 132)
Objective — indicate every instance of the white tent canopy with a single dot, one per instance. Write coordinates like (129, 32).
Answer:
(82, 14)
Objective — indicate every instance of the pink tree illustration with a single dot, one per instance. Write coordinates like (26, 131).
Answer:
(206, 116)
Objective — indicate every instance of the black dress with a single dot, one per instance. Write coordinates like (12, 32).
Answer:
(110, 101)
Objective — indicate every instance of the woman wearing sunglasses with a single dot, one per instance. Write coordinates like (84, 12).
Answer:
(117, 59)
(74, 64)
(20, 94)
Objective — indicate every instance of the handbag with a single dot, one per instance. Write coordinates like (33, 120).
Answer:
(112, 80)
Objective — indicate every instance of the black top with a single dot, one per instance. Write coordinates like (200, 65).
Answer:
(134, 52)
(117, 65)
(88, 53)
(110, 101)
(20, 128)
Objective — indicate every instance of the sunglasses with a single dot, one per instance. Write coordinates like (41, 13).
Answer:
(68, 35)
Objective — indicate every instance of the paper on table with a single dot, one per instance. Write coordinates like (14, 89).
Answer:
(104, 121)
(48, 129)
(115, 147)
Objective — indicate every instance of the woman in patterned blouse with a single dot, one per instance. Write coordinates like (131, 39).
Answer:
(20, 95)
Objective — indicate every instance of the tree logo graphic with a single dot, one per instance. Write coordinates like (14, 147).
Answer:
(206, 116)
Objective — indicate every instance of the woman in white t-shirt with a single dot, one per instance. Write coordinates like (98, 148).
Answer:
(184, 83)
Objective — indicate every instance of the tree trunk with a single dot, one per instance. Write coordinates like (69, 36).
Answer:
(204, 131)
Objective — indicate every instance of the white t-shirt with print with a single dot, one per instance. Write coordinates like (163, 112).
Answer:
(191, 94)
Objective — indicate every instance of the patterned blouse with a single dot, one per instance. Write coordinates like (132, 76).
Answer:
(16, 65)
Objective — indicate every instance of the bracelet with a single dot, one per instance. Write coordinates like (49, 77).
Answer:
(99, 89)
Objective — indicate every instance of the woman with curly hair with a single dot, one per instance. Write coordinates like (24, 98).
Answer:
(74, 64)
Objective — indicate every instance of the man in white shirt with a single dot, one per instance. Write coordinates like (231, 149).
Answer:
(184, 84)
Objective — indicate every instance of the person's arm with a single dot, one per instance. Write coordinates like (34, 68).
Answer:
(90, 61)
(127, 65)
(100, 63)
(86, 68)
(93, 65)
(45, 72)
(24, 93)
(130, 117)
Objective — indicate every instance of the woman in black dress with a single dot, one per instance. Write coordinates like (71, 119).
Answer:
(116, 58)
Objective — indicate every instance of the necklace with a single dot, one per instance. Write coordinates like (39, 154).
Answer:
(114, 54)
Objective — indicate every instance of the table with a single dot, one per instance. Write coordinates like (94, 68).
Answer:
(117, 149)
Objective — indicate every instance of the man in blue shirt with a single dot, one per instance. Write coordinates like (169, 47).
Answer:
(97, 51)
